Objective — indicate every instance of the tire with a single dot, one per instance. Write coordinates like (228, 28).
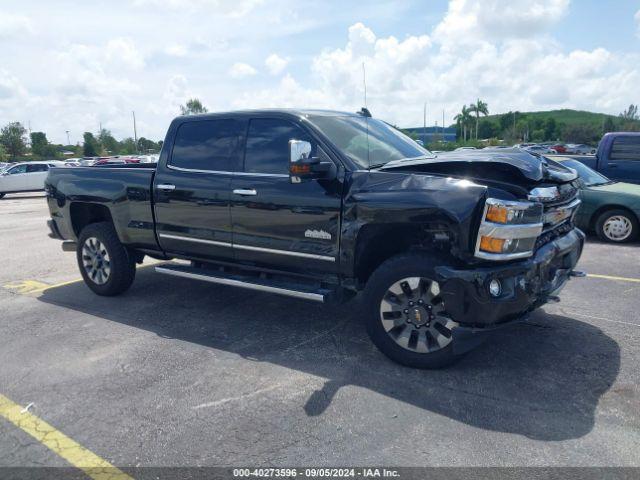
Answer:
(2, 195)
(105, 264)
(617, 226)
(409, 336)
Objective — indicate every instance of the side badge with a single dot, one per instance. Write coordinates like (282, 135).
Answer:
(320, 234)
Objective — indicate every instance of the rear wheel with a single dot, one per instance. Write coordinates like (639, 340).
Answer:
(2, 195)
(406, 316)
(618, 226)
(105, 264)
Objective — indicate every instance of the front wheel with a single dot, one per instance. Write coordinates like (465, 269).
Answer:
(105, 264)
(406, 316)
(617, 226)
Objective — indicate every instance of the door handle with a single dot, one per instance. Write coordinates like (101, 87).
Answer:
(166, 187)
(245, 191)
(612, 165)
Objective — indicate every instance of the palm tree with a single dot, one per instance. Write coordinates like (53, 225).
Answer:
(463, 119)
(478, 108)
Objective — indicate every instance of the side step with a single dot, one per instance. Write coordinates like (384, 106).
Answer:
(252, 282)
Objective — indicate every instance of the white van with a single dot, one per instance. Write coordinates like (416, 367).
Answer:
(25, 177)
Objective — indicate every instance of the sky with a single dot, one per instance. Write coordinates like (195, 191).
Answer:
(76, 65)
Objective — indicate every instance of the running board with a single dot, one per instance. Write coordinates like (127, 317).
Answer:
(278, 287)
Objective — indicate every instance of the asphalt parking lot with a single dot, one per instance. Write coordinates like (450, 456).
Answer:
(182, 373)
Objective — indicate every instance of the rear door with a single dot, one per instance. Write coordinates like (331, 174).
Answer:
(276, 223)
(36, 175)
(624, 160)
(192, 188)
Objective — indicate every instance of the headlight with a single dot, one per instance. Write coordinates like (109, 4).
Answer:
(509, 230)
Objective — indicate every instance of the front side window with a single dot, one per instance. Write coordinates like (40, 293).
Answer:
(268, 145)
(210, 145)
(17, 169)
(626, 148)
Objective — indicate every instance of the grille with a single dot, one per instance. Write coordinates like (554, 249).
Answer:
(559, 214)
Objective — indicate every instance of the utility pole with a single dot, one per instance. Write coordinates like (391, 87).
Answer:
(443, 124)
(135, 132)
(424, 125)
(68, 141)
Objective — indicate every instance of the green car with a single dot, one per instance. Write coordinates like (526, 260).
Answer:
(609, 208)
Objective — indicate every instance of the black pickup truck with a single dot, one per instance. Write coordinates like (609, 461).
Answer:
(322, 205)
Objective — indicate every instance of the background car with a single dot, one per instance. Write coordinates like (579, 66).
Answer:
(559, 147)
(25, 177)
(580, 149)
(610, 208)
(540, 149)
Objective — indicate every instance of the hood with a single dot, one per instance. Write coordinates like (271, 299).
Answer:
(618, 187)
(501, 163)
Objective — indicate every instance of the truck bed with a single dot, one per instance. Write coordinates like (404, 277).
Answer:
(124, 190)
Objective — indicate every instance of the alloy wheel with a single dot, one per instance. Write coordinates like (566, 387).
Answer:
(413, 315)
(96, 261)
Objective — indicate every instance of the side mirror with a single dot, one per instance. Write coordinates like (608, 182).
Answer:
(302, 166)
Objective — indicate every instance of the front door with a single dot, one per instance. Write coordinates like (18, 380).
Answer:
(276, 223)
(15, 179)
(192, 188)
(624, 161)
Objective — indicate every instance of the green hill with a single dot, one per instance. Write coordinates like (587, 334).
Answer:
(565, 116)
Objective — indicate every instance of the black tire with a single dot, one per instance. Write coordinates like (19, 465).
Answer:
(604, 217)
(2, 195)
(122, 266)
(389, 273)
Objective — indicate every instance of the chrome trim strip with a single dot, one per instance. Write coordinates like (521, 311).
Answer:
(196, 240)
(225, 172)
(510, 203)
(249, 247)
(238, 283)
(497, 230)
(502, 256)
(285, 252)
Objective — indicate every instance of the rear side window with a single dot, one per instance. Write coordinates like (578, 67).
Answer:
(626, 148)
(207, 145)
(268, 145)
(37, 168)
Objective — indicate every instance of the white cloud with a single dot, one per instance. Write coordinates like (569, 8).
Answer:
(231, 8)
(502, 51)
(14, 25)
(276, 64)
(468, 21)
(241, 70)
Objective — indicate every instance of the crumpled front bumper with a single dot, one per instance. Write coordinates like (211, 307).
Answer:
(526, 285)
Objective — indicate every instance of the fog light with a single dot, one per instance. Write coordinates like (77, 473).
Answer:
(495, 288)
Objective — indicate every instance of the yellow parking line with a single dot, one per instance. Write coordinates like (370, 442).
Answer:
(74, 453)
(28, 287)
(610, 277)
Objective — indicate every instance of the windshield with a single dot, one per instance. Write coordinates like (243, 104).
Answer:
(588, 176)
(367, 141)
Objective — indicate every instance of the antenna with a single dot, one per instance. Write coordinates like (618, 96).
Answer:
(364, 82)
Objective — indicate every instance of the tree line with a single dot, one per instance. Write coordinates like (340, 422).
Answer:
(16, 144)
(515, 126)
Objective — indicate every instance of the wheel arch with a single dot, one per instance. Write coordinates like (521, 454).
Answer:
(84, 213)
(377, 243)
